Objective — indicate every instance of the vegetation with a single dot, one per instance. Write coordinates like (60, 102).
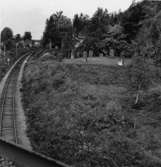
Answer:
(8, 50)
(58, 30)
(85, 114)
(79, 23)
(6, 34)
(139, 78)
(11, 55)
(18, 38)
(98, 116)
(95, 31)
(6, 37)
(27, 35)
(104, 31)
(11, 48)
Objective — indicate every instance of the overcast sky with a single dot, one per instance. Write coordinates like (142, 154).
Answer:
(30, 15)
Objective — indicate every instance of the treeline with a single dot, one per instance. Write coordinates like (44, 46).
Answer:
(64, 33)
(9, 40)
(121, 31)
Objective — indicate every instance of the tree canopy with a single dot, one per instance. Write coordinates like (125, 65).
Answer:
(57, 28)
(80, 22)
(27, 35)
(6, 34)
(131, 20)
(17, 37)
(6, 37)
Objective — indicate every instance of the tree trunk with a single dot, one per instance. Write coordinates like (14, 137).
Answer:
(137, 98)
(138, 94)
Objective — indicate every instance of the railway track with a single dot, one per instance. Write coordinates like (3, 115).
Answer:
(9, 141)
(8, 123)
(8, 129)
(8, 126)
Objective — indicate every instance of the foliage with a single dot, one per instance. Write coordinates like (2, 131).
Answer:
(85, 115)
(79, 23)
(58, 28)
(17, 37)
(138, 75)
(6, 34)
(98, 24)
(6, 37)
(131, 20)
(27, 35)
(140, 23)
(78, 114)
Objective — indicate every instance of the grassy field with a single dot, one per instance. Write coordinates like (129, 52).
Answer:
(84, 114)
(97, 60)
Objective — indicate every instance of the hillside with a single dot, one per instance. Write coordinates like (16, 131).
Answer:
(91, 115)
(85, 115)
(141, 17)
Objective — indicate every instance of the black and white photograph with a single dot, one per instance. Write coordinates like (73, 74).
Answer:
(80, 83)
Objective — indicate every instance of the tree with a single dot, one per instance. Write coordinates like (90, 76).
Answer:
(57, 28)
(98, 24)
(95, 30)
(80, 22)
(17, 37)
(6, 37)
(131, 20)
(6, 34)
(27, 35)
(138, 75)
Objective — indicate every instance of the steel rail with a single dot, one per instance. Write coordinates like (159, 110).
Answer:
(14, 120)
(4, 99)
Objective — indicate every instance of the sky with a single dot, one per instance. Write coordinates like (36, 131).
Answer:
(31, 15)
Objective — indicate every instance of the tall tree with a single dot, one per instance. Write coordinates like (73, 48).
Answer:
(96, 29)
(138, 74)
(131, 20)
(17, 37)
(57, 28)
(79, 23)
(6, 34)
(6, 37)
(99, 23)
(27, 35)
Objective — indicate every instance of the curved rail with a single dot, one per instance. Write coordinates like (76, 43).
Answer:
(8, 128)
(9, 141)
(8, 123)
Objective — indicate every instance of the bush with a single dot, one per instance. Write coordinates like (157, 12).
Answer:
(78, 114)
